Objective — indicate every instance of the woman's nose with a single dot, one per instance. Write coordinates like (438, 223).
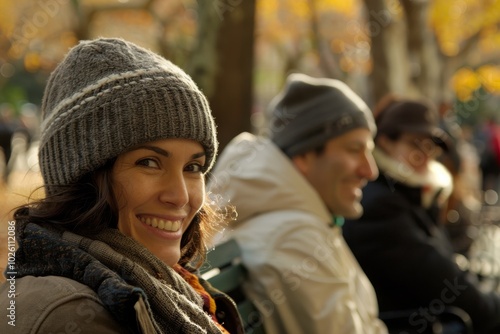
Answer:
(174, 190)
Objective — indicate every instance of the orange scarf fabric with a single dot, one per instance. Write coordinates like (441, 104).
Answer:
(208, 302)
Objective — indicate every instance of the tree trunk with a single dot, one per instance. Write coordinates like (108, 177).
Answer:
(388, 50)
(327, 62)
(225, 63)
(203, 60)
(425, 62)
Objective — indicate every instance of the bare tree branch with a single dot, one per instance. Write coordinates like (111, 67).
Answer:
(326, 61)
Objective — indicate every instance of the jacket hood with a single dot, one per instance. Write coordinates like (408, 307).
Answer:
(256, 177)
(436, 182)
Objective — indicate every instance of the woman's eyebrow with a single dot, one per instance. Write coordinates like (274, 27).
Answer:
(165, 153)
(198, 155)
(152, 148)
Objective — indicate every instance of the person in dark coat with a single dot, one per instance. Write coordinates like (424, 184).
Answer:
(399, 241)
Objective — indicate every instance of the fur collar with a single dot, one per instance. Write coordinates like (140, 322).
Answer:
(436, 182)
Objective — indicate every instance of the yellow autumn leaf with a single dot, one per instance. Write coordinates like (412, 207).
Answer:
(455, 21)
(465, 82)
(489, 75)
(345, 7)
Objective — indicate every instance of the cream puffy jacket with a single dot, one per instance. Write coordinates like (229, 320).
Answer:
(302, 276)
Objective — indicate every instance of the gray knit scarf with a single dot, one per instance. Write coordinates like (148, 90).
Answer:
(122, 272)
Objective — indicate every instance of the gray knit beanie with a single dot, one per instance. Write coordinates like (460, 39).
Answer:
(108, 95)
(310, 111)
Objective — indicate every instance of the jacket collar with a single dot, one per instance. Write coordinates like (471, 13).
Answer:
(256, 177)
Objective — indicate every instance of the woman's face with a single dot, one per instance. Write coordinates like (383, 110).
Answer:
(159, 187)
(414, 150)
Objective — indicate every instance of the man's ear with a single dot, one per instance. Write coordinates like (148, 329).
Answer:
(302, 162)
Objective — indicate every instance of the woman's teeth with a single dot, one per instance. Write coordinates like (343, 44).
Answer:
(165, 225)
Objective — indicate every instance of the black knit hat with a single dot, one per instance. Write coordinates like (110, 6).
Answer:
(395, 116)
(108, 95)
(310, 111)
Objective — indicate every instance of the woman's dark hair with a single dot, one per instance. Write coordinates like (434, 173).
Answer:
(89, 206)
(382, 105)
(86, 207)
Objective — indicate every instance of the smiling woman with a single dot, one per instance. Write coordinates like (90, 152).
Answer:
(126, 141)
(160, 188)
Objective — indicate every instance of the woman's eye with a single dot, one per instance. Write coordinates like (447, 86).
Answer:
(194, 167)
(148, 163)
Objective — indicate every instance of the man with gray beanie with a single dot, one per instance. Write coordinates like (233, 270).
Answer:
(291, 192)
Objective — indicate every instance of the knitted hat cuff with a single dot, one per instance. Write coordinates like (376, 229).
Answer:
(314, 138)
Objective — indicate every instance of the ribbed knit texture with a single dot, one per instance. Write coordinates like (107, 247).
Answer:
(109, 95)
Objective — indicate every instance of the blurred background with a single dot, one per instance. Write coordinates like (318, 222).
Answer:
(240, 52)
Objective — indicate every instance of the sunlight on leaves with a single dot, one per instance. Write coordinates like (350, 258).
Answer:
(490, 78)
(465, 82)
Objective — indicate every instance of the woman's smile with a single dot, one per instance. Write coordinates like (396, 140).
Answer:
(162, 224)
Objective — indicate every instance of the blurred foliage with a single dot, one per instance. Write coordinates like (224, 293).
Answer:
(290, 34)
(479, 106)
(456, 21)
